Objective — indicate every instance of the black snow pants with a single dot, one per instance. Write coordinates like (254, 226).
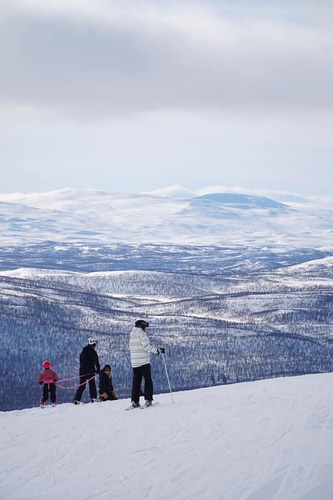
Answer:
(49, 389)
(82, 386)
(139, 373)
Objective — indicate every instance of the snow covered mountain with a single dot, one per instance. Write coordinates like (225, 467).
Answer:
(265, 440)
(216, 218)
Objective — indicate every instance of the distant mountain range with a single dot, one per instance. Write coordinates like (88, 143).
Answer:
(216, 218)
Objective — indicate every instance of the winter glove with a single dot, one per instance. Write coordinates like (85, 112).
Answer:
(160, 350)
(104, 395)
(113, 395)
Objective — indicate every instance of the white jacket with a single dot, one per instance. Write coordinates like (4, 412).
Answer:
(140, 348)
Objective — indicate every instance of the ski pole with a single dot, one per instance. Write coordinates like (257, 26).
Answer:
(167, 375)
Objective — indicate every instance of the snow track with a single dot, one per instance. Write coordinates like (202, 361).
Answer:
(266, 440)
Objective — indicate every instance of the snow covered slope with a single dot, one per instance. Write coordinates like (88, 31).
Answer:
(267, 440)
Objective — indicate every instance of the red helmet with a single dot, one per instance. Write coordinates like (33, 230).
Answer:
(47, 364)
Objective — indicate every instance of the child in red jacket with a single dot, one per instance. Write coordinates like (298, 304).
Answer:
(48, 377)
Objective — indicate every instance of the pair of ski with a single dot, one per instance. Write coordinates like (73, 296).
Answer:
(76, 402)
(143, 407)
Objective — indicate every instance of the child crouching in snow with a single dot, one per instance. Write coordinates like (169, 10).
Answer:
(49, 378)
(106, 389)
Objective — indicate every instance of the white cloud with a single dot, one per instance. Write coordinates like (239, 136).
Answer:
(97, 59)
(173, 191)
(138, 95)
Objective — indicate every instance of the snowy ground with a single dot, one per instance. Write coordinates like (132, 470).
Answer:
(266, 440)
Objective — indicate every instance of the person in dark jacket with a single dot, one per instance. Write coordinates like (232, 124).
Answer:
(106, 389)
(89, 367)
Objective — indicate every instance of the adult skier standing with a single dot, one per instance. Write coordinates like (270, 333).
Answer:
(89, 367)
(140, 350)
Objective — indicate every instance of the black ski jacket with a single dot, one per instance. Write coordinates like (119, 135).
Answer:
(105, 383)
(89, 362)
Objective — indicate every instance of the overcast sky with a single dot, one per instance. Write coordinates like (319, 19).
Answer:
(137, 95)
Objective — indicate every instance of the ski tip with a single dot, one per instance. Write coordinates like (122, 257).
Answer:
(133, 408)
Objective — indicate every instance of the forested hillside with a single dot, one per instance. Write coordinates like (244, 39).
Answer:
(224, 315)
